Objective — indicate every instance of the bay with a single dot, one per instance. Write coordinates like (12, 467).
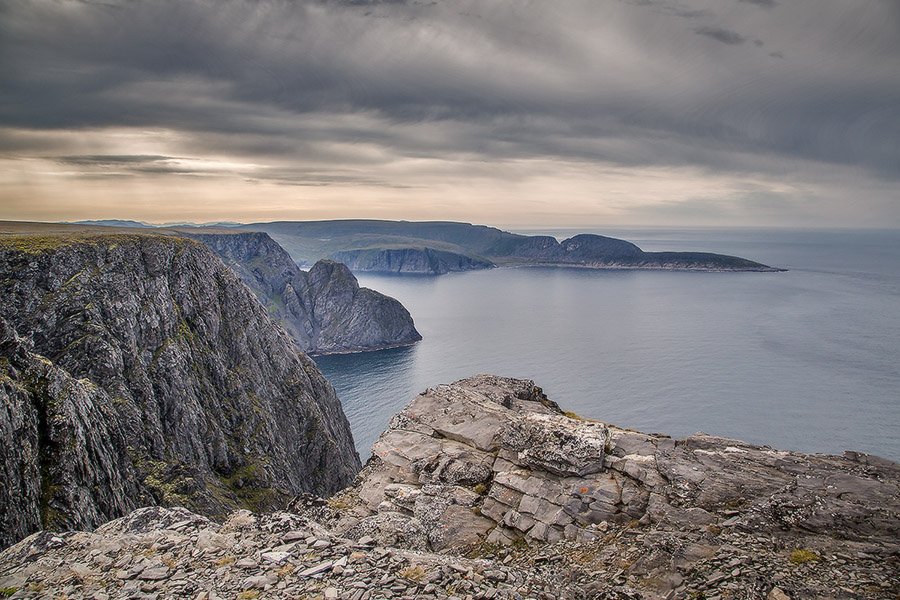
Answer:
(807, 360)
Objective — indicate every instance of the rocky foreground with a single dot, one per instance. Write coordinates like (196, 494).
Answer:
(484, 489)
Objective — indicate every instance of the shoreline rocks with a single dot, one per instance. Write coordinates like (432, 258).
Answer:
(498, 448)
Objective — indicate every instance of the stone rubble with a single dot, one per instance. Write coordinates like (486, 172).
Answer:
(157, 553)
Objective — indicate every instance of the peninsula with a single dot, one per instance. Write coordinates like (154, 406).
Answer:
(324, 309)
(440, 247)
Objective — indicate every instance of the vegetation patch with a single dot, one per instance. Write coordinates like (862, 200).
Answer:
(577, 417)
(413, 573)
(800, 556)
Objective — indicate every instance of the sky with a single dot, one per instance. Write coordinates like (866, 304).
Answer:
(512, 113)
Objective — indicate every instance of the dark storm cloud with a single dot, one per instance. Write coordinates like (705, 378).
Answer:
(722, 35)
(358, 84)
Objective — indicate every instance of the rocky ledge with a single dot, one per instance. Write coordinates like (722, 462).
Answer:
(485, 489)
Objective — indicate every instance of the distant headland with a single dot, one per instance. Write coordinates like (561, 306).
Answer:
(437, 247)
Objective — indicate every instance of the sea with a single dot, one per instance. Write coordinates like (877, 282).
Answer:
(807, 359)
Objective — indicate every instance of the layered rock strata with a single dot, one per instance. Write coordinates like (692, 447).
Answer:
(489, 456)
(152, 375)
(324, 310)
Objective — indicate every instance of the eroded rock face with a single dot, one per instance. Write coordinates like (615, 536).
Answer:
(62, 452)
(150, 354)
(324, 310)
(489, 456)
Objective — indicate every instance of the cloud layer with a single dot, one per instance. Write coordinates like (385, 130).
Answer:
(443, 109)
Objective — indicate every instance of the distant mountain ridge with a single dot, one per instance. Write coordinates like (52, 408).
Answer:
(411, 247)
(437, 247)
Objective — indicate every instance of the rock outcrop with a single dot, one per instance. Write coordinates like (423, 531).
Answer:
(499, 446)
(63, 454)
(521, 500)
(324, 310)
(155, 376)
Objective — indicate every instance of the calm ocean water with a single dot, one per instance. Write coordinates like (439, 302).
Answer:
(804, 360)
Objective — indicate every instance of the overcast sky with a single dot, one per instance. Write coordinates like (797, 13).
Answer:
(510, 113)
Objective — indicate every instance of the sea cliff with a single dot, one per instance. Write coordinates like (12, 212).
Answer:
(138, 369)
(324, 310)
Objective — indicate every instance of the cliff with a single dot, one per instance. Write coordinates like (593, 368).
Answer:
(426, 261)
(63, 454)
(484, 488)
(151, 344)
(324, 310)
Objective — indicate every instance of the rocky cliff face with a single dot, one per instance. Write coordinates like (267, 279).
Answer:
(178, 363)
(63, 454)
(427, 261)
(324, 310)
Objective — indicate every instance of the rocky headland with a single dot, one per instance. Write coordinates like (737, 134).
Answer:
(324, 310)
(139, 370)
(486, 489)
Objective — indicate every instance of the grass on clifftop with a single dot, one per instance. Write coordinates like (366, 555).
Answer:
(36, 244)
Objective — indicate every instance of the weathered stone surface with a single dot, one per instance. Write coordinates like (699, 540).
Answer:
(63, 455)
(324, 310)
(538, 474)
(830, 532)
(169, 384)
